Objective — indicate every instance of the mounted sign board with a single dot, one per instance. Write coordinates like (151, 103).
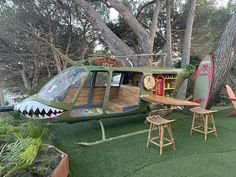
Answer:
(106, 62)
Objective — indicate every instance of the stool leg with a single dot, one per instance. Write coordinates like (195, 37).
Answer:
(149, 133)
(206, 126)
(161, 138)
(171, 135)
(213, 123)
(193, 122)
(201, 123)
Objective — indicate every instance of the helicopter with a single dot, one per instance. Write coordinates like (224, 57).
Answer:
(95, 92)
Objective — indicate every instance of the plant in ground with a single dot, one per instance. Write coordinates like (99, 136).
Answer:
(21, 149)
(19, 155)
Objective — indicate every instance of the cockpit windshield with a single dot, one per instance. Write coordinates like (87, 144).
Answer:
(57, 89)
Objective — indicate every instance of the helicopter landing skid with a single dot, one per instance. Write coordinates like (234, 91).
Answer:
(104, 139)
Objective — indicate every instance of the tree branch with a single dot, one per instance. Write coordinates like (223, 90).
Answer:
(116, 45)
(130, 19)
(153, 28)
(143, 7)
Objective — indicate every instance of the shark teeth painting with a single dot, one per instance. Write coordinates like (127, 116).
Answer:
(37, 110)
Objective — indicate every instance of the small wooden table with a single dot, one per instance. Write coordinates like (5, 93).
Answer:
(168, 100)
(203, 126)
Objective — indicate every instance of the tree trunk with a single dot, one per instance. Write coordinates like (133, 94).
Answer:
(26, 82)
(188, 34)
(224, 58)
(168, 36)
(187, 46)
(37, 72)
(116, 45)
(153, 28)
(182, 90)
(138, 29)
(57, 61)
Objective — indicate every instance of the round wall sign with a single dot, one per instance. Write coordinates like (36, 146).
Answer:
(149, 82)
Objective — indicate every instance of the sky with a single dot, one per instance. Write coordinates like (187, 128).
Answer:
(218, 3)
(113, 14)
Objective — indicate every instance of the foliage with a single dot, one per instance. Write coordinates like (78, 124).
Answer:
(37, 129)
(19, 154)
(21, 150)
(208, 27)
(28, 32)
(187, 73)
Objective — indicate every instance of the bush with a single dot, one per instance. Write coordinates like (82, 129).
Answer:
(19, 145)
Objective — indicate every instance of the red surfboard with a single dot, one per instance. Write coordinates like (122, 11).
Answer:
(203, 81)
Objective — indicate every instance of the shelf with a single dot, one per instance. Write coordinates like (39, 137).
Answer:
(170, 78)
(169, 88)
(168, 83)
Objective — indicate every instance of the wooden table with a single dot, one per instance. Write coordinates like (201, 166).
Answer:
(168, 100)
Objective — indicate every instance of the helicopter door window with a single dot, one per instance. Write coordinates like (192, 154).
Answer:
(82, 99)
(116, 79)
(91, 100)
(101, 79)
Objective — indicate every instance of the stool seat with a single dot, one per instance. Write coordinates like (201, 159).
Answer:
(158, 120)
(204, 117)
(161, 124)
(200, 110)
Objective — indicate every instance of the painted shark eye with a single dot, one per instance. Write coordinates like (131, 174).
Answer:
(35, 109)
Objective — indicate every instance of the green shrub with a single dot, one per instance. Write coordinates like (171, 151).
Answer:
(19, 155)
(20, 142)
(37, 129)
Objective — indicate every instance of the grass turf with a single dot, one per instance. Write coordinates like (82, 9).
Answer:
(129, 157)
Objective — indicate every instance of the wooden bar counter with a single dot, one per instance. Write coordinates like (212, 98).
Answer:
(168, 100)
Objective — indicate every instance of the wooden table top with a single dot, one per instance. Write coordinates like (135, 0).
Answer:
(168, 100)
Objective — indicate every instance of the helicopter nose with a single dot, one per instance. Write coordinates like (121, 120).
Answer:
(37, 110)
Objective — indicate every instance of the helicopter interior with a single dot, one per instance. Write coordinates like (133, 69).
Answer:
(123, 94)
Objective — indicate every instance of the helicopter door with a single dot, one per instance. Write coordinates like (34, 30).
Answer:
(90, 101)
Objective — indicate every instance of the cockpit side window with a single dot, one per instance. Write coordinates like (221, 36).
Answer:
(63, 87)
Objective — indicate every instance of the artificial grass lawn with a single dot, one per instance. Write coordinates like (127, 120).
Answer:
(129, 157)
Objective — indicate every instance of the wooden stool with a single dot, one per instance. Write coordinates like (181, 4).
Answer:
(203, 126)
(161, 124)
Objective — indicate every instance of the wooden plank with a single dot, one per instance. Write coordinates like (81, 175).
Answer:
(167, 100)
(83, 97)
(129, 94)
(98, 95)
